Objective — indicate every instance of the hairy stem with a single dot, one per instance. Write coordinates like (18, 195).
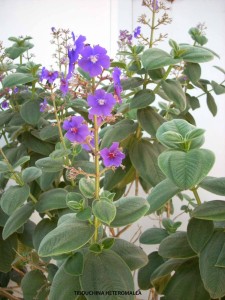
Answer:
(194, 190)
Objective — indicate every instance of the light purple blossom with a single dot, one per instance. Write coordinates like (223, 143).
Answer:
(74, 51)
(77, 131)
(64, 85)
(125, 37)
(50, 76)
(137, 31)
(43, 105)
(101, 103)
(155, 5)
(112, 156)
(117, 83)
(5, 104)
(15, 90)
(94, 60)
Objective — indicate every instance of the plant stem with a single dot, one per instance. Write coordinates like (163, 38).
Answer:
(21, 59)
(58, 121)
(152, 25)
(194, 190)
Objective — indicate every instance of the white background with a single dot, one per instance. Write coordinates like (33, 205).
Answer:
(100, 21)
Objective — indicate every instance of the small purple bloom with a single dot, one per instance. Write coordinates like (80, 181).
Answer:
(155, 5)
(112, 156)
(94, 60)
(125, 37)
(5, 104)
(50, 76)
(43, 105)
(15, 90)
(76, 130)
(101, 103)
(74, 51)
(64, 85)
(137, 31)
(53, 29)
(117, 83)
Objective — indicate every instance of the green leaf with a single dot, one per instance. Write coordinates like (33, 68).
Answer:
(194, 54)
(16, 79)
(49, 165)
(3, 167)
(153, 236)
(142, 99)
(74, 264)
(26, 237)
(174, 91)
(30, 174)
(118, 132)
(84, 214)
(144, 157)
(34, 285)
(41, 230)
(218, 88)
(106, 265)
(164, 271)
(36, 145)
(21, 161)
(176, 246)
(213, 277)
(5, 117)
(104, 211)
(64, 285)
(58, 154)
(131, 83)
(107, 243)
(154, 58)
(211, 104)
(87, 187)
(192, 71)
(145, 273)
(30, 112)
(51, 200)
(129, 210)
(150, 120)
(181, 284)
(8, 249)
(161, 193)
(198, 233)
(68, 236)
(133, 255)
(181, 127)
(14, 197)
(214, 185)
(186, 169)
(211, 210)
(74, 201)
(49, 132)
(17, 219)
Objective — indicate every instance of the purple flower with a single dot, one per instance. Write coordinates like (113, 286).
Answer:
(155, 5)
(64, 85)
(137, 31)
(125, 37)
(15, 90)
(117, 84)
(94, 60)
(5, 104)
(112, 157)
(101, 103)
(50, 76)
(53, 29)
(76, 130)
(43, 105)
(100, 119)
(74, 51)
